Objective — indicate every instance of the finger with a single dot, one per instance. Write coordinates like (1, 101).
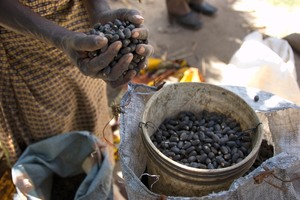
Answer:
(103, 60)
(83, 66)
(144, 50)
(140, 33)
(142, 64)
(123, 80)
(89, 42)
(122, 66)
(92, 67)
(131, 15)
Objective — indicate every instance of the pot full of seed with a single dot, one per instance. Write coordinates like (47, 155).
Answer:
(199, 138)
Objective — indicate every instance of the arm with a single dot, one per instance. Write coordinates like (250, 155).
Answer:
(18, 18)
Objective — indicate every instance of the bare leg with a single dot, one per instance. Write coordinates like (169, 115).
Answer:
(178, 7)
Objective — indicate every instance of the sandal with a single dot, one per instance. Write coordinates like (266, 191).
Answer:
(204, 8)
(190, 20)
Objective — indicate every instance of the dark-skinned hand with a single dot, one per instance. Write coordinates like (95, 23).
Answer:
(77, 46)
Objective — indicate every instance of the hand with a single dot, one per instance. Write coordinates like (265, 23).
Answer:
(77, 46)
(140, 32)
(134, 17)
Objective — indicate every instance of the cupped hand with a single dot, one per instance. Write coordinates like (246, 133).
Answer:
(140, 32)
(78, 45)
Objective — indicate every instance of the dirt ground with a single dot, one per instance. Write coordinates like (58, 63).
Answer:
(211, 48)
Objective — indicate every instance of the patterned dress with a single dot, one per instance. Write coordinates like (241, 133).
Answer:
(41, 92)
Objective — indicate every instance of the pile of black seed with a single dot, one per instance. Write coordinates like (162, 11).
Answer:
(118, 31)
(208, 140)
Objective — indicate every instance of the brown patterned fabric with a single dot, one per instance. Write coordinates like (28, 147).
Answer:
(41, 93)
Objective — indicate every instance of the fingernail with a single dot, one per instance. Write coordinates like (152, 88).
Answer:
(119, 45)
(135, 34)
(130, 58)
(141, 50)
(99, 40)
(139, 17)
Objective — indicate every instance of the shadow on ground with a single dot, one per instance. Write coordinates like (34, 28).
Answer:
(209, 48)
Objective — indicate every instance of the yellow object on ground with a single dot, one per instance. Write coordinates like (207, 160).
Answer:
(159, 70)
(191, 75)
(153, 63)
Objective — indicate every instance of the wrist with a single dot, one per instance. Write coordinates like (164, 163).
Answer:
(59, 36)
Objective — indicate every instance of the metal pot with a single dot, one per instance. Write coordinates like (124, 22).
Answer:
(176, 179)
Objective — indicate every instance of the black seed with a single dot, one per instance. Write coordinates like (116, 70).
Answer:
(125, 50)
(235, 157)
(224, 150)
(127, 33)
(227, 156)
(211, 155)
(189, 150)
(215, 138)
(201, 135)
(231, 143)
(125, 43)
(170, 127)
(187, 145)
(175, 149)
(191, 158)
(193, 153)
(214, 150)
(121, 34)
(131, 27)
(176, 157)
(184, 136)
(195, 142)
(210, 166)
(182, 152)
(201, 158)
(207, 161)
(180, 144)
(208, 140)
(216, 145)
(173, 122)
(206, 149)
(174, 139)
(173, 133)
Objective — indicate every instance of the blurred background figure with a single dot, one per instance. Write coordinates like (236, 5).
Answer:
(185, 12)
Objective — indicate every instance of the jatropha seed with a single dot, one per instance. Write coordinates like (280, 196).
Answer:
(118, 31)
(208, 140)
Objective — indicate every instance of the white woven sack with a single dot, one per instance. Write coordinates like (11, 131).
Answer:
(281, 123)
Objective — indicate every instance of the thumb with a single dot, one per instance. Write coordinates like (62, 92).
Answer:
(89, 42)
(131, 15)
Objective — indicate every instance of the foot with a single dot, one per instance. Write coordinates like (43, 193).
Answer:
(190, 20)
(204, 8)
